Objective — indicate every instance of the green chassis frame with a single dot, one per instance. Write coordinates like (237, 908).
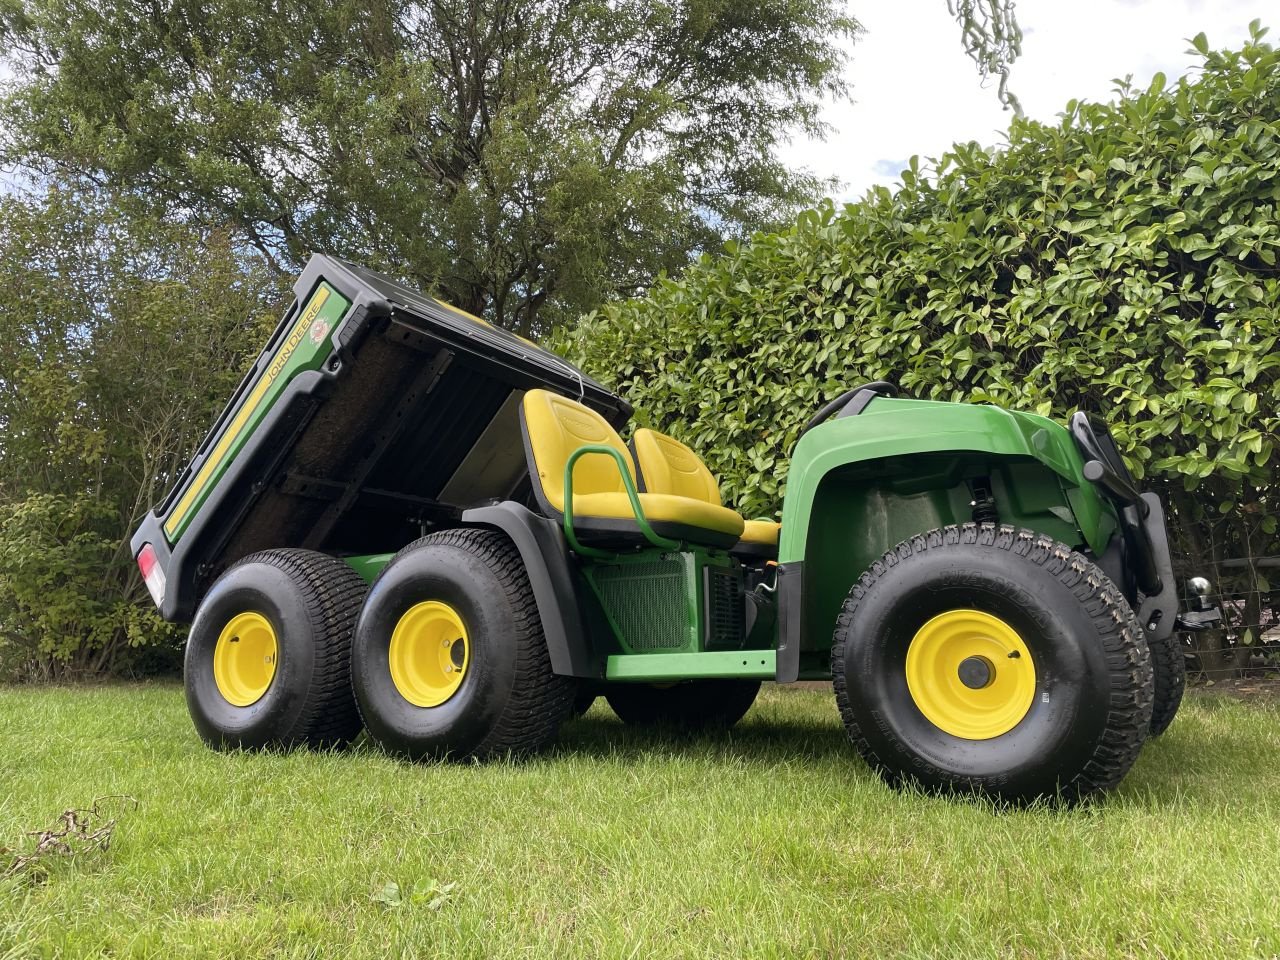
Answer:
(692, 661)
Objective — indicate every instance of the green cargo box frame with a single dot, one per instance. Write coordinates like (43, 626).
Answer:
(317, 451)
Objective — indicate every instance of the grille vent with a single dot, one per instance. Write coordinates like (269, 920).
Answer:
(726, 617)
(647, 602)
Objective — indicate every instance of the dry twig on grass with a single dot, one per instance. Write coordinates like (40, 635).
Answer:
(77, 831)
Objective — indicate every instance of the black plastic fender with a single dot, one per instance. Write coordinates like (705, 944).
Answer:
(546, 558)
(790, 620)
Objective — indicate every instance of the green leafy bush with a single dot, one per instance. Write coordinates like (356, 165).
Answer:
(1123, 261)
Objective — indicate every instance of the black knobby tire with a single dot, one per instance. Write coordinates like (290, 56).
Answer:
(691, 705)
(509, 702)
(1091, 709)
(311, 601)
(1170, 681)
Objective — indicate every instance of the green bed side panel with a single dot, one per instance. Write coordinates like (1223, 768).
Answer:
(306, 347)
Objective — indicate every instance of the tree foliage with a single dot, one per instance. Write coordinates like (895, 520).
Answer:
(1123, 261)
(526, 158)
(120, 338)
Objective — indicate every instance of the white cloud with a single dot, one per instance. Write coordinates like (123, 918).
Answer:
(915, 91)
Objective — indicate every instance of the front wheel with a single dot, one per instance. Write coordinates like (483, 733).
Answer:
(992, 660)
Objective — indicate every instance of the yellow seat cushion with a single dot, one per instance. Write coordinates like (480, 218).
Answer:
(555, 427)
(660, 508)
(761, 531)
(668, 466)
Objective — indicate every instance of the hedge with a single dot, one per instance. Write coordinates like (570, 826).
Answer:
(1122, 260)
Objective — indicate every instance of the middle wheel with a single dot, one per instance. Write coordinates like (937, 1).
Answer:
(693, 704)
(449, 657)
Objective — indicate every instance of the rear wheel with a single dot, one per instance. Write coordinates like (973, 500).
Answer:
(449, 655)
(267, 659)
(992, 660)
(693, 704)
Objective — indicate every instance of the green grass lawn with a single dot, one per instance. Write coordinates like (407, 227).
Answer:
(772, 840)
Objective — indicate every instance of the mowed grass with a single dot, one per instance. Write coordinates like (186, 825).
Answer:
(771, 840)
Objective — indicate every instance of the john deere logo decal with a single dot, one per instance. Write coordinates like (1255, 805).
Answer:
(318, 331)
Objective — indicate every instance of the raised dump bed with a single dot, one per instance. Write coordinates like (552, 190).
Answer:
(373, 414)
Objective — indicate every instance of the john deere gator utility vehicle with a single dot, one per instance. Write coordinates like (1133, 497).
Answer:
(411, 522)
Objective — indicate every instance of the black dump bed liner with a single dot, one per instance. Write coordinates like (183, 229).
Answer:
(370, 416)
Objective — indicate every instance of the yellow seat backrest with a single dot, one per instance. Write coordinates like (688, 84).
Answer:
(670, 467)
(557, 426)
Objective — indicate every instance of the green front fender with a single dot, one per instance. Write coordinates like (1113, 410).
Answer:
(890, 429)
(860, 485)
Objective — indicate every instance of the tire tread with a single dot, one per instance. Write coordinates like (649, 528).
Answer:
(332, 592)
(1170, 681)
(540, 699)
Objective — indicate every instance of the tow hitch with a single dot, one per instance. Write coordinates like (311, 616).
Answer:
(1202, 614)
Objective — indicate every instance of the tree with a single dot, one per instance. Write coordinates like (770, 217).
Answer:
(120, 338)
(528, 159)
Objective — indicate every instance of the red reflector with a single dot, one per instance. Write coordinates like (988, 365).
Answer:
(152, 574)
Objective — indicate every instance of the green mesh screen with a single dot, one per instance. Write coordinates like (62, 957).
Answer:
(647, 602)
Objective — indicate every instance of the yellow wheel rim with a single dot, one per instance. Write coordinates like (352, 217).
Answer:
(244, 659)
(429, 653)
(970, 674)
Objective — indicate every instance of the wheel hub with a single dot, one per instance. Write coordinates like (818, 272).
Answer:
(976, 672)
(429, 653)
(970, 674)
(244, 659)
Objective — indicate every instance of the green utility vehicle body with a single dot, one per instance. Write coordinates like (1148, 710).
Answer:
(384, 429)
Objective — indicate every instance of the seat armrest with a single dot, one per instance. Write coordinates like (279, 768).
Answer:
(627, 483)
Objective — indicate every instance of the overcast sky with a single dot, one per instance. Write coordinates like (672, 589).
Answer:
(915, 91)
